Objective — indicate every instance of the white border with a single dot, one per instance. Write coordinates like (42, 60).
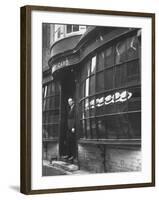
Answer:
(39, 182)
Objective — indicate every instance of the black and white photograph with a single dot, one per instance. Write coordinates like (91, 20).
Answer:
(87, 118)
(91, 99)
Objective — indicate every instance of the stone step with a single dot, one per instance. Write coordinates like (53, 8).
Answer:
(68, 167)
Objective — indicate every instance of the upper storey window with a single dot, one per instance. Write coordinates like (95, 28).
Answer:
(72, 28)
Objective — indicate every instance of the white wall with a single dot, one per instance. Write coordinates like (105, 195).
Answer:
(10, 103)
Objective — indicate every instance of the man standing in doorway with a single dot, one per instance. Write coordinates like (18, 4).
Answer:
(71, 134)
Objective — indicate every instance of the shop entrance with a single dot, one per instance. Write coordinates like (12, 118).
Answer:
(68, 90)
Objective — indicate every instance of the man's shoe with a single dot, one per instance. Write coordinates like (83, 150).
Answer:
(71, 158)
(65, 157)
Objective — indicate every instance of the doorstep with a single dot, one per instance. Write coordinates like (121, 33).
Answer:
(64, 168)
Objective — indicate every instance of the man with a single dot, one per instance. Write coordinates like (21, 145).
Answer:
(71, 137)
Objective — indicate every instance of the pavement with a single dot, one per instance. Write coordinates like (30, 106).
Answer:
(58, 167)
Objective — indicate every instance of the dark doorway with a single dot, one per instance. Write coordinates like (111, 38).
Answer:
(68, 88)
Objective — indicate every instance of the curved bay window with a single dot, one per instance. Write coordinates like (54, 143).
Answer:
(110, 89)
(51, 99)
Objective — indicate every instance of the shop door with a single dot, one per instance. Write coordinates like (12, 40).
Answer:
(68, 90)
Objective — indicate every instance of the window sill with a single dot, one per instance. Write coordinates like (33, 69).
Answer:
(136, 142)
(50, 139)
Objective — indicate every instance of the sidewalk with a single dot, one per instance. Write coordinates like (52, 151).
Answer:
(61, 168)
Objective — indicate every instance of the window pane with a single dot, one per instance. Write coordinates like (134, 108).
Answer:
(101, 129)
(117, 126)
(134, 103)
(82, 132)
(92, 106)
(45, 117)
(69, 28)
(82, 89)
(49, 90)
(121, 98)
(133, 75)
(100, 64)
(53, 117)
(93, 65)
(123, 126)
(88, 128)
(45, 91)
(135, 125)
(100, 105)
(132, 47)
(52, 88)
(120, 76)
(83, 109)
(51, 103)
(109, 57)
(45, 133)
(86, 70)
(109, 103)
(57, 88)
(93, 128)
(92, 85)
(87, 87)
(58, 32)
(100, 82)
(47, 104)
(108, 78)
(87, 107)
(52, 131)
(44, 105)
(75, 28)
(57, 101)
(120, 52)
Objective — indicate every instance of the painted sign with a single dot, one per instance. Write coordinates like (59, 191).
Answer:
(60, 65)
(109, 99)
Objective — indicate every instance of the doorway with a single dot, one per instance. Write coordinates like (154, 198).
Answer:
(68, 90)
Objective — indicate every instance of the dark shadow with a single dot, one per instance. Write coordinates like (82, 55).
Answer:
(15, 188)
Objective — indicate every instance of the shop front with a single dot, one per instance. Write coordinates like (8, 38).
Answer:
(101, 71)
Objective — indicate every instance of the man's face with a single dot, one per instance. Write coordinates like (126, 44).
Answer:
(70, 102)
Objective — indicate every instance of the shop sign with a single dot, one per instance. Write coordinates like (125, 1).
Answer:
(60, 65)
(109, 99)
(47, 79)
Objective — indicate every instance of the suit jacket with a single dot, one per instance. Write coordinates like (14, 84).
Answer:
(71, 118)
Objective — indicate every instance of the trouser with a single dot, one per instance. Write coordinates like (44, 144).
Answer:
(71, 142)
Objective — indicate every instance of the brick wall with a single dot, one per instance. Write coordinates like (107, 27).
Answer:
(123, 160)
(90, 158)
(94, 159)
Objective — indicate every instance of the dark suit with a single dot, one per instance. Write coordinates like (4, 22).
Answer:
(70, 134)
(71, 118)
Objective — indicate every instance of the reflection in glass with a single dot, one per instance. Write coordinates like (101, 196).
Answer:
(134, 103)
(100, 64)
(132, 47)
(101, 129)
(93, 65)
(87, 87)
(87, 107)
(92, 106)
(92, 85)
(120, 52)
(109, 57)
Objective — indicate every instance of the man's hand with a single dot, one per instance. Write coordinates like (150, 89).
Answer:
(73, 130)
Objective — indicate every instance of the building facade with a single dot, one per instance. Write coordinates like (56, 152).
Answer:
(100, 67)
